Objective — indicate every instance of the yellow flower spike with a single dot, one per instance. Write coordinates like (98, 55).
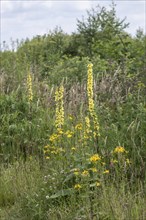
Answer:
(59, 121)
(29, 87)
(91, 106)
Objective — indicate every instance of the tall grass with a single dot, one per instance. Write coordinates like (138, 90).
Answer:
(57, 172)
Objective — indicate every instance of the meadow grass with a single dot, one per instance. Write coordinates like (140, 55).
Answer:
(73, 154)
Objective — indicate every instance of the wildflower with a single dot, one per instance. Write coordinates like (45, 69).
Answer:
(53, 137)
(73, 148)
(60, 131)
(91, 101)
(93, 169)
(29, 86)
(106, 171)
(98, 184)
(77, 186)
(47, 158)
(85, 173)
(45, 151)
(76, 173)
(54, 151)
(46, 147)
(61, 149)
(95, 158)
(78, 126)
(69, 134)
(128, 161)
(59, 121)
(114, 161)
(70, 117)
(87, 122)
(30, 157)
(119, 149)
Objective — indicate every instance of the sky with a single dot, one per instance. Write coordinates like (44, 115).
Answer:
(21, 19)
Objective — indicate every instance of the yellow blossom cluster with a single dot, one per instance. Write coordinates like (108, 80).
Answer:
(59, 120)
(52, 150)
(29, 86)
(85, 173)
(77, 186)
(78, 126)
(93, 169)
(119, 149)
(95, 158)
(91, 100)
(106, 171)
(69, 133)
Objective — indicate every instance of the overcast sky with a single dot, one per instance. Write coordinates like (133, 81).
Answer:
(21, 18)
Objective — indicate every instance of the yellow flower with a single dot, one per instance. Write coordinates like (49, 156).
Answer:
(78, 126)
(119, 149)
(114, 161)
(70, 117)
(98, 184)
(95, 158)
(60, 131)
(61, 149)
(69, 134)
(53, 137)
(59, 120)
(77, 186)
(106, 171)
(54, 151)
(76, 173)
(29, 86)
(128, 161)
(85, 173)
(73, 148)
(91, 106)
(93, 169)
(46, 147)
(47, 158)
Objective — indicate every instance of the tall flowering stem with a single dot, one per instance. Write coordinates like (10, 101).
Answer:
(59, 120)
(91, 107)
(29, 87)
